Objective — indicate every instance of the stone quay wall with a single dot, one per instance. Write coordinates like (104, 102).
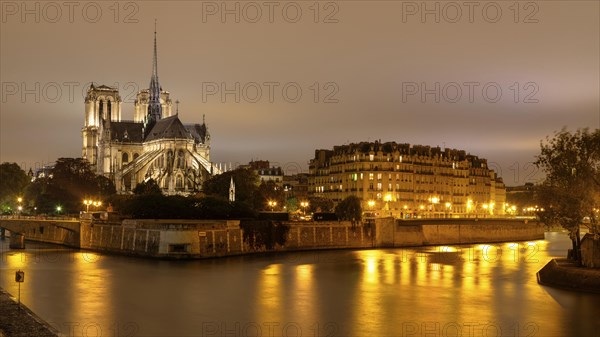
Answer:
(423, 232)
(214, 238)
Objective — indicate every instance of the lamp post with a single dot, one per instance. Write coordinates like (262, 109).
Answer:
(434, 201)
(448, 209)
(371, 203)
(272, 204)
(89, 202)
(304, 204)
(19, 206)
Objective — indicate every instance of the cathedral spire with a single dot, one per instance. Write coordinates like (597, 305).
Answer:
(154, 105)
(155, 60)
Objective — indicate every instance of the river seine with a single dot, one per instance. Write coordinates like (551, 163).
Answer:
(471, 290)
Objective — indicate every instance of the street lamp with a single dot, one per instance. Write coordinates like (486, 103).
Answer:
(272, 204)
(371, 203)
(448, 208)
(304, 204)
(434, 201)
(19, 206)
(89, 202)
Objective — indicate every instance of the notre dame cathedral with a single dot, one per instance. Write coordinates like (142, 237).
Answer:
(156, 144)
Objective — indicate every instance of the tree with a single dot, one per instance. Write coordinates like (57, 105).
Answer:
(571, 190)
(69, 183)
(13, 181)
(349, 209)
(147, 187)
(319, 204)
(245, 180)
(269, 191)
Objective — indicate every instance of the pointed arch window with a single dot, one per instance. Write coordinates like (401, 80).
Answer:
(101, 110)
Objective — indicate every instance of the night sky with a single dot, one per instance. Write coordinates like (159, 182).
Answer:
(361, 68)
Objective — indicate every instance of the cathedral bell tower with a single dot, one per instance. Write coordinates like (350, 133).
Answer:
(102, 105)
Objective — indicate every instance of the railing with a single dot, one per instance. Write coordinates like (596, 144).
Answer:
(36, 217)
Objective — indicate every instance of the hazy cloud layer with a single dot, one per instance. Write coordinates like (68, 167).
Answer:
(494, 80)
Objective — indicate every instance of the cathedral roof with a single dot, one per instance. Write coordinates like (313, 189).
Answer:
(127, 131)
(169, 127)
(198, 131)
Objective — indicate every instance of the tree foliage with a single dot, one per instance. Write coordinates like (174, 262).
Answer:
(264, 234)
(69, 183)
(13, 181)
(245, 180)
(269, 191)
(147, 187)
(571, 190)
(248, 191)
(349, 209)
(158, 206)
(319, 204)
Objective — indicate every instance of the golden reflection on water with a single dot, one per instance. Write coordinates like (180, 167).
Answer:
(368, 297)
(92, 293)
(368, 293)
(304, 289)
(15, 261)
(270, 294)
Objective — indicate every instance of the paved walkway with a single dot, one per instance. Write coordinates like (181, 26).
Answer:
(21, 322)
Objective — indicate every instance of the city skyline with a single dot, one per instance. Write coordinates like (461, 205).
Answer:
(371, 64)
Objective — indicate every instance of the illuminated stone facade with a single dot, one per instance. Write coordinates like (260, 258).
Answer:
(156, 144)
(408, 181)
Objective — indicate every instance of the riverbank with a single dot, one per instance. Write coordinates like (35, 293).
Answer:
(562, 273)
(18, 321)
(197, 239)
